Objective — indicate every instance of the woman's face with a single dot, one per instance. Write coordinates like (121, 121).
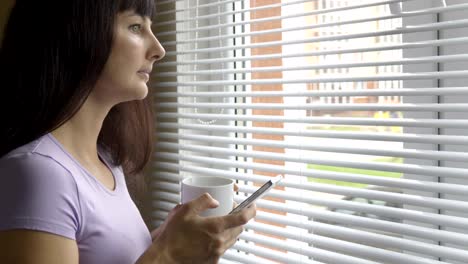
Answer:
(127, 70)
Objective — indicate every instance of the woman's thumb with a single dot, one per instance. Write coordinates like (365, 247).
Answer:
(202, 203)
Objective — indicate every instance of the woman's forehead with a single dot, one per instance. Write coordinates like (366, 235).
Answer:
(133, 14)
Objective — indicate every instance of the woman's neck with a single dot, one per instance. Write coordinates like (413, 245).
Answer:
(80, 133)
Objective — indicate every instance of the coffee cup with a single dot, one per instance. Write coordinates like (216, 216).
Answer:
(221, 189)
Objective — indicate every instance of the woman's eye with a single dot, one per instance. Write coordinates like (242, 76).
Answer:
(135, 28)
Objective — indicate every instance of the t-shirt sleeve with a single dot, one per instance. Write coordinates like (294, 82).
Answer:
(37, 193)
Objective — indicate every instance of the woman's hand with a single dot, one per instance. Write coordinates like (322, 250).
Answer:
(186, 237)
(156, 232)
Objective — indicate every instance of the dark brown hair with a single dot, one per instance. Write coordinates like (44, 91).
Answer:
(52, 53)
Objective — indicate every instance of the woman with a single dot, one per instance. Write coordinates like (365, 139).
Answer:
(75, 119)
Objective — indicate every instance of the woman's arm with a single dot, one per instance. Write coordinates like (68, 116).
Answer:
(36, 247)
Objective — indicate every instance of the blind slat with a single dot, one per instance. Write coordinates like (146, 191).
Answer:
(319, 106)
(381, 92)
(386, 77)
(437, 59)
(431, 123)
(407, 137)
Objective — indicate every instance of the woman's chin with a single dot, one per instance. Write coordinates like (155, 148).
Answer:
(143, 94)
(139, 93)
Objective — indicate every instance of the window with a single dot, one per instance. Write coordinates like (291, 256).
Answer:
(362, 106)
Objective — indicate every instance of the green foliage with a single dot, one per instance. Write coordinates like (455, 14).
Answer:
(355, 171)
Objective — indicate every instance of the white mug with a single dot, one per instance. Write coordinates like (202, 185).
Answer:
(221, 189)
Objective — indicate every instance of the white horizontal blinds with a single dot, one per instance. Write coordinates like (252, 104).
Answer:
(361, 105)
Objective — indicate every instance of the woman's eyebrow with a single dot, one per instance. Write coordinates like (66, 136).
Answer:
(134, 14)
(140, 16)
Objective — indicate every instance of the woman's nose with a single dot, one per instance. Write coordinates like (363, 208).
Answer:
(156, 52)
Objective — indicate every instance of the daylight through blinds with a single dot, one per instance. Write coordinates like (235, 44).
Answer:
(361, 105)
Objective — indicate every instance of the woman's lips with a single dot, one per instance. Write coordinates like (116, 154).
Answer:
(144, 74)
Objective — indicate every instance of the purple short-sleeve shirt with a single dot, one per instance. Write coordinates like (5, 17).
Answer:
(43, 188)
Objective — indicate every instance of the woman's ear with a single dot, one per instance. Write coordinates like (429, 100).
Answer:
(5, 8)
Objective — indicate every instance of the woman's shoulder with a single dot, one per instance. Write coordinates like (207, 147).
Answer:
(37, 146)
(37, 192)
(38, 156)
(35, 168)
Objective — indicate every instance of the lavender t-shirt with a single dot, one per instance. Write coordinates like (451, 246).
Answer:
(42, 187)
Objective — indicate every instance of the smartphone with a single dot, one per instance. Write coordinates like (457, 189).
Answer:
(258, 194)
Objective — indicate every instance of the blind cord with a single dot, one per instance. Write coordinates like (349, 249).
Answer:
(199, 120)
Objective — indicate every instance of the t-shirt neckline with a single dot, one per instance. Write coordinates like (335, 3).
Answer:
(103, 159)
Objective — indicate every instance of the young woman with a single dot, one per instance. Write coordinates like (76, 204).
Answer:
(75, 118)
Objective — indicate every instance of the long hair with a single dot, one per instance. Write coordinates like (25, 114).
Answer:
(52, 54)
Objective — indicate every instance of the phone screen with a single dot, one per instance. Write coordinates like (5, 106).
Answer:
(265, 187)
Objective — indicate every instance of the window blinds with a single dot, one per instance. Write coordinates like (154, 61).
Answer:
(361, 105)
